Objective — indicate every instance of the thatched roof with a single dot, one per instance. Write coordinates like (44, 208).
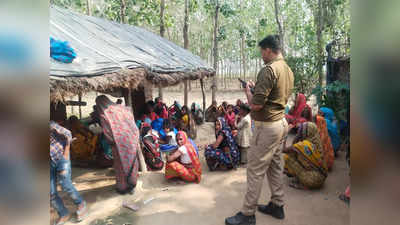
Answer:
(112, 55)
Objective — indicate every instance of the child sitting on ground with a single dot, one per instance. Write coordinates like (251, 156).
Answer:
(169, 139)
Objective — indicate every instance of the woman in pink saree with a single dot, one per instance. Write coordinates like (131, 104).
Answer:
(119, 128)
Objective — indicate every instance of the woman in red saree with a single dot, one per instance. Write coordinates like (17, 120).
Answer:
(119, 128)
(301, 112)
(184, 162)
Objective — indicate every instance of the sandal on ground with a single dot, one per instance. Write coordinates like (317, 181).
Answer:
(62, 220)
(294, 183)
(82, 213)
(344, 198)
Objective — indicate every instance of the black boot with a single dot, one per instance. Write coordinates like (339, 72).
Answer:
(273, 210)
(240, 219)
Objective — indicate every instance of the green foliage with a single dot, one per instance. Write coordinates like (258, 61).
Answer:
(248, 19)
(221, 33)
(335, 96)
(224, 8)
(193, 6)
(227, 10)
(263, 22)
(304, 73)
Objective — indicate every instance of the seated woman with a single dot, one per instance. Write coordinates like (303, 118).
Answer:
(304, 160)
(151, 152)
(157, 125)
(300, 112)
(174, 110)
(187, 123)
(197, 113)
(184, 162)
(149, 113)
(185, 118)
(83, 148)
(212, 112)
(160, 108)
(329, 155)
(224, 153)
(329, 116)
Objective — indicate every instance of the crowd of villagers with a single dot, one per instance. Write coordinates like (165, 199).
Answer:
(171, 130)
(308, 160)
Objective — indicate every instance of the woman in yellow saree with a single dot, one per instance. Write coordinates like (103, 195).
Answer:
(305, 160)
(84, 147)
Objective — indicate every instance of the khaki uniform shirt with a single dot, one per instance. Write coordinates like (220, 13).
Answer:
(272, 90)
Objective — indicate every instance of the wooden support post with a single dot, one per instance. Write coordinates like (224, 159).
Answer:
(185, 94)
(204, 98)
(80, 109)
(72, 107)
(160, 92)
(128, 101)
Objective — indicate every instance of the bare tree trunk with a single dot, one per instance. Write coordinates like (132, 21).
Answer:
(123, 11)
(169, 33)
(280, 27)
(162, 32)
(225, 73)
(89, 7)
(244, 58)
(320, 47)
(162, 27)
(240, 60)
(186, 46)
(214, 85)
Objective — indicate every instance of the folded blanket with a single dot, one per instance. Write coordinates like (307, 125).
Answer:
(168, 148)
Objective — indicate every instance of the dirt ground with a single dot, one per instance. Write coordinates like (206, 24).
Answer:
(219, 195)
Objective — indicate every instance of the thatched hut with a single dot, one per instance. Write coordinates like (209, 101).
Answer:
(117, 58)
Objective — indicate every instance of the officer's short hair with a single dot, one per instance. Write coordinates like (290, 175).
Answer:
(271, 41)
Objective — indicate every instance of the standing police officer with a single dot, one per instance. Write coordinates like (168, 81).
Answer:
(272, 90)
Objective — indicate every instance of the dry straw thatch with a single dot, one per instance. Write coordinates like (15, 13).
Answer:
(62, 88)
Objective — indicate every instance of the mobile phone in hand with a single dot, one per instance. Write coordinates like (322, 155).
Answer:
(244, 84)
